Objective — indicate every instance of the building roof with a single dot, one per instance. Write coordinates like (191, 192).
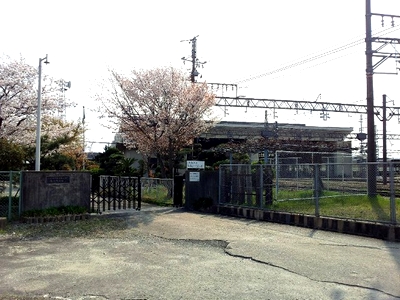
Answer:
(246, 130)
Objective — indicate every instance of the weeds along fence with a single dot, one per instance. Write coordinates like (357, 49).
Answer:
(158, 189)
(10, 194)
(326, 189)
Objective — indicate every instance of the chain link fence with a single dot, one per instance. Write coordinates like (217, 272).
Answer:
(365, 191)
(247, 185)
(10, 192)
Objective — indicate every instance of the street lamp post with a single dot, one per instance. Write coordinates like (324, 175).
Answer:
(83, 146)
(39, 106)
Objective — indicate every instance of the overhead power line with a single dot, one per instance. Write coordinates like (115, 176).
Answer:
(316, 56)
(303, 105)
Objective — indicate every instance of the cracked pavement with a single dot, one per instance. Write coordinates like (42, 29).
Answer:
(169, 253)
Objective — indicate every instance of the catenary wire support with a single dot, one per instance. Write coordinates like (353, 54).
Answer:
(193, 60)
(370, 71)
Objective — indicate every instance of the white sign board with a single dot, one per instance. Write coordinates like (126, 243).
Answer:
(195, 164)
(194, 176)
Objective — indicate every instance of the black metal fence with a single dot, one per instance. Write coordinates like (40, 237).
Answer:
(115, 192)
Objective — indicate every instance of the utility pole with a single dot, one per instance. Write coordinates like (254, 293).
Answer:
(83, 137)
(193, 60)
(384, 153)
(384, 119)
(38, 116)
(370, 67)
(371, 150)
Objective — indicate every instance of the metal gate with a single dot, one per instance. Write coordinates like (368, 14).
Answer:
(10, 194)
(115, 192)
(246, 185)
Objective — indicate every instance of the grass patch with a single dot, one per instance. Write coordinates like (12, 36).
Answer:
(352, 207)
(288, 194)
(92, 228)
(158, 195)
(55, 211)
(158, 202)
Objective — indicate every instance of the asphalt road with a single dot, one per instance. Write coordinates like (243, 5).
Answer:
(168, 253)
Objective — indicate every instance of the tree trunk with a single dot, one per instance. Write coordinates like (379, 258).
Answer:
(160, 162)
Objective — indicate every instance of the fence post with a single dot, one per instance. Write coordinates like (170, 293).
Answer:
(392, 196)
(106, 193)
(20, 195)
(114, 194)
(119, 196)
(316, 189)
(269, 185)
(177, 185)
(139, 187)
(276, 176)
(261, 185)
(10, 196)
(220, 184)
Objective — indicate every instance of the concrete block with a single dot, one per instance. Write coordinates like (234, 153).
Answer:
(391, 234)
(374, 230)
(340, 225)
(334, 225)
(258, 214)
(309, 221)
(317, 223)
(301, 220)
(296, 219)
(240, 212)
(276, 217)
(288, 218)
(3, 222)
(352, 227)
(346, 226)
(397, 233)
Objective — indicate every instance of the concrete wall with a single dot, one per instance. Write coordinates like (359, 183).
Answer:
(44, 189)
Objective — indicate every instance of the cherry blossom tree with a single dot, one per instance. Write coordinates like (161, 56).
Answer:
(18, 100)
(18, 107)
(157, 112)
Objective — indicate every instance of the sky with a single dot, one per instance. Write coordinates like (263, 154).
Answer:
(242, 42)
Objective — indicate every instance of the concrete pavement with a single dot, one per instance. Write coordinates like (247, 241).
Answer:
(169, 253)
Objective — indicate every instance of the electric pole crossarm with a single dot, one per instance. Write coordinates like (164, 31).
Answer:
(384, 15)
(299, 105)
(385, 40)
(385, 54)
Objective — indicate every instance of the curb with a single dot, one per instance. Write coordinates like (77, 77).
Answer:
(383, 231)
